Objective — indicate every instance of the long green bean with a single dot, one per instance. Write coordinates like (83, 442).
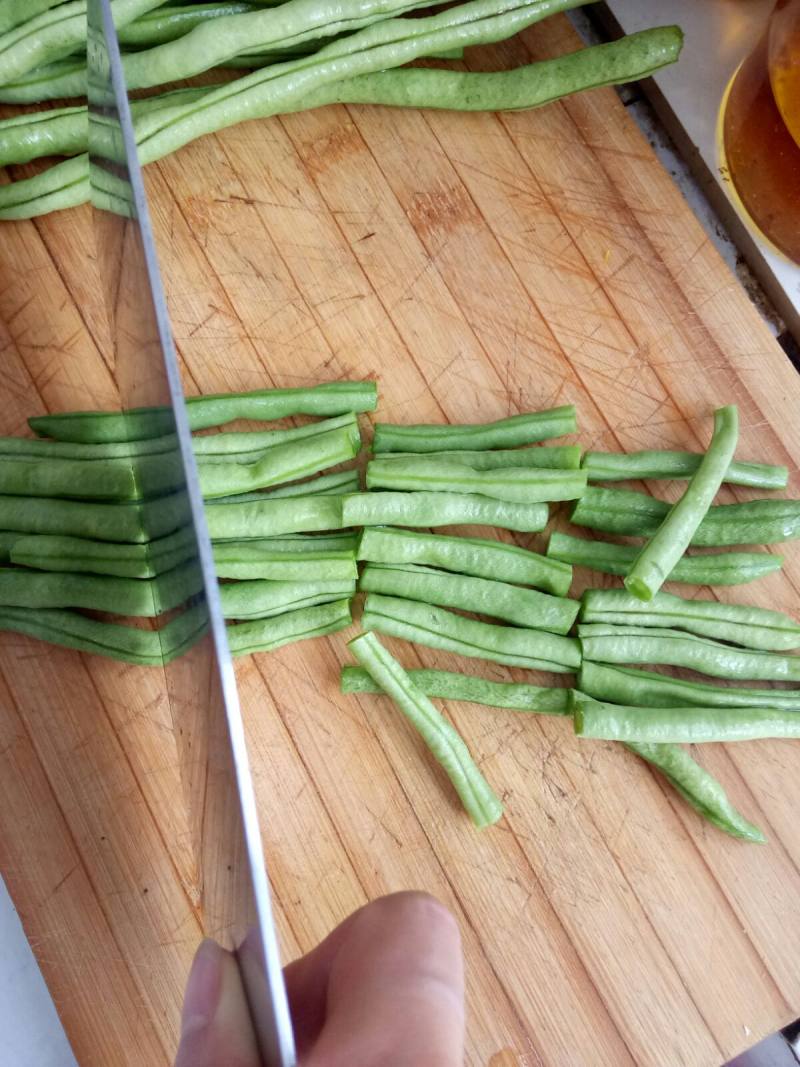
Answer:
(450, 685)
(274, 517)
(118, 596)
(57, 32)
(338, 483)
(441, 509)
(523, 429)
(439, 628)
(519, 485)
(738, 624)
(692, 725)
(20, 476)
(168, 23)
(281, 463)
(256, 559)
(623, 511)
(719, 568)
(563, 457)
(264, 598)
(266, 635)
(131, 522)
(698, 788)
(14, 12)
(129, 644)
(511, 603)
(479, 557)
(330, 398)
(628, 466)
(658, 557)
(7, 542)
(446, 745)
(639, 644)
(626, 685)
(66, 184)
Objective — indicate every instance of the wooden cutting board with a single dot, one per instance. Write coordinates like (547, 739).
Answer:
(477, 266)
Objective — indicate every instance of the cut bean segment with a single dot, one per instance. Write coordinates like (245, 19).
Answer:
(626, 685)
(257, 559)
(632, 514)
(264, 599)
(505, 433)
(691, 725)
(479, 557)
(479, 800)
(439, 628)
(266, 635)
(658, 557)
(629, 466)
(639, 644)
(331, 398)
(698, 788)
(511, 603)
(563, 457)
(259, 519)
(718, 568)
(441, 509)
(450, 685)
(520, 485)
(759, 628)
(130, 522)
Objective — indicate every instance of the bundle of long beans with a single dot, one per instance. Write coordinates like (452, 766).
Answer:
(90, 521)
(302, 54)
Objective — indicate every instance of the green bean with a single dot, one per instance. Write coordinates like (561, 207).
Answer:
(564, 457)
(273, 517)
(759, 628)
(281, 463)
(511, 603)
(266, 635)
(336, 484)
(625, 685)
(83, 555)
(55, 33)
(639, 644)
(623, 511)
(450, 685)
(719, 568)
(129, 644)
(66, 184)
(20, 476)
(232, 444)
(330, 398)
(264, 598)
(505, 433)
(14, 12)
(518, 485)
(119, 596)
(625, 466)
(699, 788)
(658, 557)
(441, 509)
(45, 133)
(7, 542)
(106, 522)
(446, 745)
(692, 725)
(256, 559)
(169, 23)
(312, 544)
(52, 81)
(479, 557)
(439, 628)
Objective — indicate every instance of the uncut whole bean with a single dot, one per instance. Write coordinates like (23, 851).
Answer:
(630, 466)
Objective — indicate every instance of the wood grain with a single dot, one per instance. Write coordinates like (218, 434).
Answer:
(476, 265)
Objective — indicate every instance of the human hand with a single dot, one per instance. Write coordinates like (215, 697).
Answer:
(384, 989)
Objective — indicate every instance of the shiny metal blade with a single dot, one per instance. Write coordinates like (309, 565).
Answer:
(232, 887)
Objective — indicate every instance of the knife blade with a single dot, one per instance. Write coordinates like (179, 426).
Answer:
(233, 893)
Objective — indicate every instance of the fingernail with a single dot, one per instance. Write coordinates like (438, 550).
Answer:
(204, 987)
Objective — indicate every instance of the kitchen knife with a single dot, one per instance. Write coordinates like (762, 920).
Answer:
(233, 890)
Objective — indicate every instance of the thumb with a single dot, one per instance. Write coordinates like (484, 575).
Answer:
(215, 1027)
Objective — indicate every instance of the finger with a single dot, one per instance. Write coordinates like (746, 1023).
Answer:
(395, 988)
(215, 1027)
